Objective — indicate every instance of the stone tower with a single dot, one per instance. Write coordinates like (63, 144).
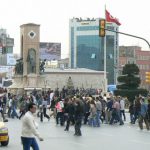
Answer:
(27, 76)
(30, 40)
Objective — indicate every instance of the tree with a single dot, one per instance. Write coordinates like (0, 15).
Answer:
(130, 77)
(70, 83)
(129, 83)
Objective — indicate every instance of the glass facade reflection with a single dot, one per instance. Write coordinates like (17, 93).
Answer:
(88, 52)
(87, 48)
(72, 46)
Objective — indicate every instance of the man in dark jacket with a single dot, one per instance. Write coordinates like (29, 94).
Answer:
(78, 116)
(70, 110)
(1, 109)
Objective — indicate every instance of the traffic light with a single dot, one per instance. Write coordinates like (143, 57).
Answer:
(147, 76)
(4, 50)
(102, 23)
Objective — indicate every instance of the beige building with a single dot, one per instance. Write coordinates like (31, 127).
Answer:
(57, 78)
(81, 78)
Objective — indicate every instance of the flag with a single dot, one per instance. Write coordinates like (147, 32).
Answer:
(110, 18)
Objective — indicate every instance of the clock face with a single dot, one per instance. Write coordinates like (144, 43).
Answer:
(31, 34)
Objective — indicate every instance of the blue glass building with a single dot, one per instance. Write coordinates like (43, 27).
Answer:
(87, 48)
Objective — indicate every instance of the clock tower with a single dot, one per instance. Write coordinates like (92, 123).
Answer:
(30, 40)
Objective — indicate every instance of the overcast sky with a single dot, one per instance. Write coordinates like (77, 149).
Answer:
(53, 17)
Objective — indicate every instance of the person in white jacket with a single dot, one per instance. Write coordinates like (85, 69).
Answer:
(29, 129)
(122, 108)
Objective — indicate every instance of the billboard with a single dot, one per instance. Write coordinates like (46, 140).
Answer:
(50, 51)
(11, 61)
(10, 42)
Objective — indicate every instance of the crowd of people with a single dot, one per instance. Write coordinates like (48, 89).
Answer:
(95, 109)
(77, 107)
(3, 90)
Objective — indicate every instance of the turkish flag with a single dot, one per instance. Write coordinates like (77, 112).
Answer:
(110, 18)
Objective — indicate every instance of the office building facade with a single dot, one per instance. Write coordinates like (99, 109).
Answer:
(87, 48)
(6, 43)
(134, 54)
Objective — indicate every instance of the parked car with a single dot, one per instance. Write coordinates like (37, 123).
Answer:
(4, 137)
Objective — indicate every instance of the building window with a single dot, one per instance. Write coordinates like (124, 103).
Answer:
(110, 56)
(93, 56)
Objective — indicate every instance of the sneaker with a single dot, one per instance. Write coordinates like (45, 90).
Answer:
(66, 130)
(79, 134)
(121, 124)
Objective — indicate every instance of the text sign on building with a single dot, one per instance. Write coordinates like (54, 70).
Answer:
(102, 23)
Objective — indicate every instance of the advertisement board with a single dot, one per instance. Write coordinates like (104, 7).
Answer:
(50, 51)
(11, 61)
(10, 42)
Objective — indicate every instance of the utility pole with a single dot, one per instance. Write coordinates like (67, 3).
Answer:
(130, 35)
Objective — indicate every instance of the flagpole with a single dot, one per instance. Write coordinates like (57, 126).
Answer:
(105, 69)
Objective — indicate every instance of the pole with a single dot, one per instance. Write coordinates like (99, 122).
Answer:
(45, 83)
(105, 68)
(130, 35)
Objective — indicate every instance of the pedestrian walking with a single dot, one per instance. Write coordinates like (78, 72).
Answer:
(44, 104)
(116, 113)
(70, 110)
(93, 113)
(78, 117)
(143, 115)
(122, 108)
(99, 110)
(1, 109)
(148, 111)
(60, 114)
(29, 129)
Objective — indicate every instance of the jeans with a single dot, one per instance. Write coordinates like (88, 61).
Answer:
(60, 116)
(132, 118)
(29, 142)
(122, 112)
(136, 115)
(98, 114)
(92, 121)
(14, 113)
(108, 116)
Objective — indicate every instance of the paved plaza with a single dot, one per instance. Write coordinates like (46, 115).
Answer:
(107, 137)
